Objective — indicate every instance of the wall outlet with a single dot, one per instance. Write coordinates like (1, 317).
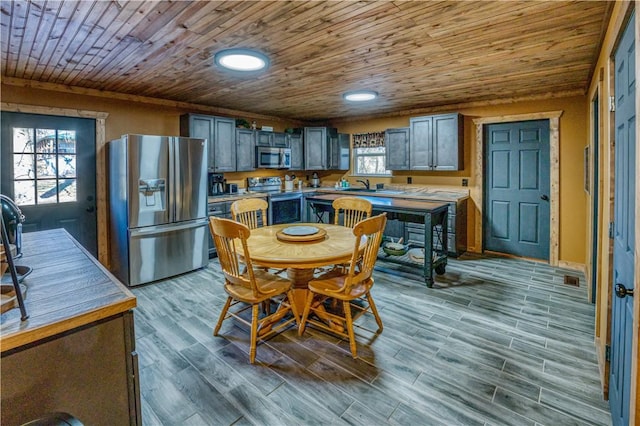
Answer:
(465, 182)
(409, 180)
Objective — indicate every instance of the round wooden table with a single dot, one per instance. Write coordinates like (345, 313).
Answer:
(301, 258)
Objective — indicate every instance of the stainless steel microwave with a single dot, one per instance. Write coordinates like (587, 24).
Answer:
(273, 158)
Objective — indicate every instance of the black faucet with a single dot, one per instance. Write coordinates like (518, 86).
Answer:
(364, 182)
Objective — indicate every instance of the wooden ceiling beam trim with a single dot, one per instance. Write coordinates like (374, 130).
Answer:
(186, 106)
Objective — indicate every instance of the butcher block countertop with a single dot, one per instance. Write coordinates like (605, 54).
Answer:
(67, 289)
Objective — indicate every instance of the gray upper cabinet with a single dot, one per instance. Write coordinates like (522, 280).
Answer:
(275, 139)
(280, 140)
(436, 142)
(316, 148)
(396, 142)
(220, 135)
(264, 138)
(297, 151)
(245, 150)
(340, 151)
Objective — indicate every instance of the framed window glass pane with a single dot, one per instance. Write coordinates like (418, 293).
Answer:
(23, 167)
(67, 141)
(46, 164)
(66, 166)
(24, 192)
(45, 140)
(22, 139)
(47, 191)
(67, 190)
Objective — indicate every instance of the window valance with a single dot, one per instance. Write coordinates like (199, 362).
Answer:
(368, 140)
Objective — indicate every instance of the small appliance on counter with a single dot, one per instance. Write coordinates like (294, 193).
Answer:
(315, 180)
(231, 188)
(216, 184)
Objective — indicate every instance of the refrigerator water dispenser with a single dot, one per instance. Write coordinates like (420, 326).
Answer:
(152, 194)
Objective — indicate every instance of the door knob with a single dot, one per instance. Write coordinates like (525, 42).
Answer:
(544, 197)
(90, 209)
(622, 291)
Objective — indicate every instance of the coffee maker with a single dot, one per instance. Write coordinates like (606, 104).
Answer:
(216, 184)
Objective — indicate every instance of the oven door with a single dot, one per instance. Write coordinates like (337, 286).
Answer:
(285, 208)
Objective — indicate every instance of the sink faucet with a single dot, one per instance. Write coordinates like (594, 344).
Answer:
(364, 182)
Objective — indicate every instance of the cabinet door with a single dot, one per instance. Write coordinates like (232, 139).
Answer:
(396, 143)
(264, 138)
(245, 150)
(447, 142)
(315, 148)
(297, 157)
(344, 151)
(280, 140)
(200, 126)
(421, 143)
(225, 144)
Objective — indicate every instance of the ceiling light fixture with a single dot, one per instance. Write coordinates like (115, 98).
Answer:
(241, 60)
(360, 95)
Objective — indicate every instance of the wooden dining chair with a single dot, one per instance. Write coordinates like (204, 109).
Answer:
(353, 210)
(248, 287)
(353, 288)
(249, 211)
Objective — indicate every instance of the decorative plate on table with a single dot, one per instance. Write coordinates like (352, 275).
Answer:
(301, 233)
(300, 230)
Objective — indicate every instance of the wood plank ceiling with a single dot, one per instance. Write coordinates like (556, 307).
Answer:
(416, 54)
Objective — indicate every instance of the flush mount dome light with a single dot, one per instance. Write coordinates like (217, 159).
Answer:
(360, 95)
(241, 60)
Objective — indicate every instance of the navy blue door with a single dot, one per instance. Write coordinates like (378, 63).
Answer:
(516, 182)
(49, 169)
(624, 228)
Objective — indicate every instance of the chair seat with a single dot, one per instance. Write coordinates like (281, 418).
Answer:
(269, 285)
(330, 287)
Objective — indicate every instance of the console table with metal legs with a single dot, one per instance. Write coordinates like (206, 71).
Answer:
(432, 214)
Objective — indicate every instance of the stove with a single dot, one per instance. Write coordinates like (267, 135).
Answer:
(264, 184)
(284, 207)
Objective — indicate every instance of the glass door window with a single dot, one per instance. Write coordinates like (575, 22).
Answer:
(44, 166)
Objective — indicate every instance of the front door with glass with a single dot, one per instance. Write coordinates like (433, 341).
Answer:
(48, 168)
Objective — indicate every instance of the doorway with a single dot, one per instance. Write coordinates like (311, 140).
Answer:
(623, 282)
(517, 187)
(48, 168)
(595, 188)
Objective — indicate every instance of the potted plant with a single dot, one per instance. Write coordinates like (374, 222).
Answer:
(241, 122)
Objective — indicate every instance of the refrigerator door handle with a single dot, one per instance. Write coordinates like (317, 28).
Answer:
(150, 230)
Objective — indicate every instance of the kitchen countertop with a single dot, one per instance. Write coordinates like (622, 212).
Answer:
(413, 192)
(67, 289)
(417, 193)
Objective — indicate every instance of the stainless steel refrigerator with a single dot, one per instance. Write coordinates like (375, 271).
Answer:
(158, 206)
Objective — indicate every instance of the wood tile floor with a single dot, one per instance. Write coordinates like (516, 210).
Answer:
(497, 341)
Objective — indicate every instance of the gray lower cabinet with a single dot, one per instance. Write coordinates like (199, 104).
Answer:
(218, 209)
(220, 135)
(456, 230)
(396, 142)
(245, 150)
(436, 142)
(297, 151)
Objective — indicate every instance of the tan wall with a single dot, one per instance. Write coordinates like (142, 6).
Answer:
(132, 117)
(573, 139)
